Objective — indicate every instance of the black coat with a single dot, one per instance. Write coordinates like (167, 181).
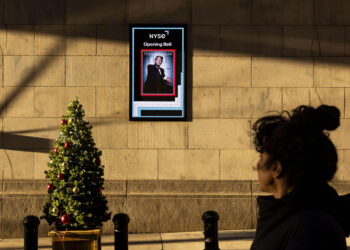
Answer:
(308, 219)
(155, 82)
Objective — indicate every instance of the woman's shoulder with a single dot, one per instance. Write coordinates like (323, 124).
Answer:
(315, 224)
(314, 218)
(315, 228)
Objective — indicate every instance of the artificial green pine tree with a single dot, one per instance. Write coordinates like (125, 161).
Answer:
(75, 200)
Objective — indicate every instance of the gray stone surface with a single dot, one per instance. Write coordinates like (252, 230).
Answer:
(153, 206)
(95, 12)
(116, 205)
(178, 215)
(1, 11)
(221, 12)
(254, 212)
(282, 12)
(1, 134)
(115, 188)
(34, 12)
(14, 187)
(144, 215)
(256, 188)
(159, 11)
(14, 209)
(252, 40)
(191, 188)
(328, 12)
(1, 220)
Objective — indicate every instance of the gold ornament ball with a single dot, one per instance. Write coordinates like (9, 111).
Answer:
(51, 161)
(64, 164)
(75, 190)
(71, 120)
(55, 210)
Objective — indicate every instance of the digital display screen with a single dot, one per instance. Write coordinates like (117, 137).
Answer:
(157, 72)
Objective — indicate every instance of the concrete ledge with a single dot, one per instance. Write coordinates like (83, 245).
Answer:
(153, 206)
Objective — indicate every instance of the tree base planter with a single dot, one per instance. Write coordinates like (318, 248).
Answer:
(74, 240)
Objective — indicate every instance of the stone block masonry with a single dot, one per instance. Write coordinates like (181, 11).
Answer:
(245, 59)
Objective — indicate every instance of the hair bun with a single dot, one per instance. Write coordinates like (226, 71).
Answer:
(328, 117)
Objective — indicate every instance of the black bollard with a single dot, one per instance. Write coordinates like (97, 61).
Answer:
(210, 219)
(121, 222)
(31, 224)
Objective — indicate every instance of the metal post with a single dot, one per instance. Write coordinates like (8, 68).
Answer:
(121, 222)
(210, 219)
(31, 224)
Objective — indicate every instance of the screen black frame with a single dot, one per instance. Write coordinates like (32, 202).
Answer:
(184, 66)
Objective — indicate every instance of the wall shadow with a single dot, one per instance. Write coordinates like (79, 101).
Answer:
(297, 43)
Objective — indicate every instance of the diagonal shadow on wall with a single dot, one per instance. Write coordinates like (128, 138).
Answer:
(241, 37)
(291, 42)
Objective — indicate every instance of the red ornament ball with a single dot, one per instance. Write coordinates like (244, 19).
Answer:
(60, 176)
(50, 187)
(67, 145)
(65, 219)
(100, 189)
(63, 122)
(56, 151)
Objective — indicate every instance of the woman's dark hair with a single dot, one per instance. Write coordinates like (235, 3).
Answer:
(299, 143)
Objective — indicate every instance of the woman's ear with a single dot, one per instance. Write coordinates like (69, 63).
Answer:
(277, 170)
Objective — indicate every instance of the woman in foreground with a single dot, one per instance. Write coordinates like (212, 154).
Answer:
(297, 159)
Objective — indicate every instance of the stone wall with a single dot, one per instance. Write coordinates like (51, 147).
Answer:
(245, 58)
(153, 206)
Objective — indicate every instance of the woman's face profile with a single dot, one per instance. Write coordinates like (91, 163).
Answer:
(265, 174)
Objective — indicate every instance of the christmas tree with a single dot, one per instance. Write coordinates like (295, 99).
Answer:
(75, 200)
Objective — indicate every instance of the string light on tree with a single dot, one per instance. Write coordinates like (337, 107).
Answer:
(55, 211)
(76, 190)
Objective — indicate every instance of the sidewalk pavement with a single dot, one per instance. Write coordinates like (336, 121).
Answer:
(228, 240)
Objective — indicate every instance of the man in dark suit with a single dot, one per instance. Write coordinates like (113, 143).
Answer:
(156, 81)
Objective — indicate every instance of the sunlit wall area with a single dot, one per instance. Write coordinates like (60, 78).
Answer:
(244, 59)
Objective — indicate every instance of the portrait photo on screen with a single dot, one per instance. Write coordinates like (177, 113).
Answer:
(158, 71)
